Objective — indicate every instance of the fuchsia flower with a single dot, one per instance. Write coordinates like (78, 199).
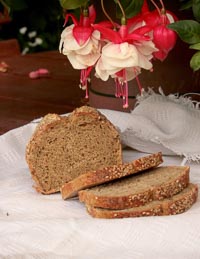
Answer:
(163, 37)
(81, 44)
(124, 55)
(118, 51)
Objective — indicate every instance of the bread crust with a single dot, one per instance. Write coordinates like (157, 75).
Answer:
(180, 203)
(132, 199)
(109, 173)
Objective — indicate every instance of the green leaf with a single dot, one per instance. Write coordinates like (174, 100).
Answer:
(131, 7)
(72, 4)
(16, 5)
(186, 5)
(195, 46)
(196, 9)
(188, 30)
(195, 61)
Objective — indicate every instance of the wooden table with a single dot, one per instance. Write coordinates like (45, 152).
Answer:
(23, 99)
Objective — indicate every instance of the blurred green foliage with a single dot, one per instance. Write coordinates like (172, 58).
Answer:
(41, 20)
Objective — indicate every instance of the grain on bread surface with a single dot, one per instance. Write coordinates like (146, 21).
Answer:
(136, 190)
(62, 148)
(109, 173)
(176, 204)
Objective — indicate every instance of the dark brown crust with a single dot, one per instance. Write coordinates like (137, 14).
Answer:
(110, 173)
(92, 116)
(158, 192)
(181, 203)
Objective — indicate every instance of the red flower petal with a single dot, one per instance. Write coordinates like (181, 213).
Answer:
(75, 21)
(123, 31)
(82, 34)
(145, 8)
(108, 24)
(136, 37)
(164, 38)
(92, 14)
(152, 19)
(160, 55)
(143, 30)
(108, 34)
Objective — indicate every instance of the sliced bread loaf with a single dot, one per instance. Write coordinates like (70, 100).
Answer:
(62, 148)
(177, 204)
(136, 190)
(109, 173)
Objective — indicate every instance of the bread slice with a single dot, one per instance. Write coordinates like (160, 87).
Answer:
(177, 204)
(109, 173)
(155, 184)
(62, 148)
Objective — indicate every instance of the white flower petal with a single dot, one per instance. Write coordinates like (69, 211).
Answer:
(75, 64)
(170, 17)
(144, 62)
(146, 47)
(88, 60)
(120, 55)
(68, 41)
(80, 56)
(91, 46)
(100, 71)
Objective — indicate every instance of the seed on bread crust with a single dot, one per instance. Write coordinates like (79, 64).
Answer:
(177, 204)
(109, 173)
(154, 184)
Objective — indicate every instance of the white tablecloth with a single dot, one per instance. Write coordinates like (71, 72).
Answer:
(37, 226)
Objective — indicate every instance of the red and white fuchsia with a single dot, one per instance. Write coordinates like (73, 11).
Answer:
(119, 51)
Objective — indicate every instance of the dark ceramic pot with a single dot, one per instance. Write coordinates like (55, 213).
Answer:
(102, 95)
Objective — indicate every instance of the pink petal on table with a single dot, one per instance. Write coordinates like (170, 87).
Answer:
(43, 71)
(33, 75)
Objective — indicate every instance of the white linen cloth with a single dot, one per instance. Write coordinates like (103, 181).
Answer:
(170, 124)
(36, 226)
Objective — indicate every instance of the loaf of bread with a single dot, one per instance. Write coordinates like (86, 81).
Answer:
(137, 190)
(62, 148)
(176, 204)
(109, 173)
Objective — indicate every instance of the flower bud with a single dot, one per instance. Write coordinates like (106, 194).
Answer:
(164, 39)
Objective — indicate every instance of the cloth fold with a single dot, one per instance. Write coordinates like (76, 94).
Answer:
(170, 124)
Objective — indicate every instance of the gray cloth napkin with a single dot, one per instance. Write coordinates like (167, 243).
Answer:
(170, 124)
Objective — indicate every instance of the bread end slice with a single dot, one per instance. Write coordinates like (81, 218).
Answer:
(177, 204)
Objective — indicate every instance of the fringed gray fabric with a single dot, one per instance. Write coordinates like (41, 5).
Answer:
(160, 122)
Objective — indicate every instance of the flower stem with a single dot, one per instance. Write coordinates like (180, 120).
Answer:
(121, 8)
(163, 11)
(156, 6)
(162, 4)
(106, 14)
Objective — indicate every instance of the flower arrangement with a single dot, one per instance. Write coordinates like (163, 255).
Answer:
(118, 49)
